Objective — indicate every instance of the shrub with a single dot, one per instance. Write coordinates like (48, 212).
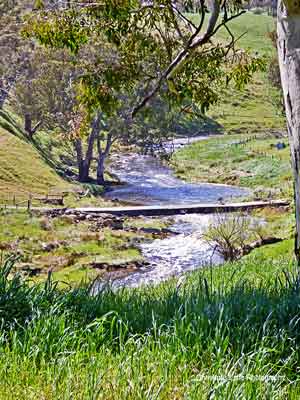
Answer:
(228, 234)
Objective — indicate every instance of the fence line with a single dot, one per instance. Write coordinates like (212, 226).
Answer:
(49, 198)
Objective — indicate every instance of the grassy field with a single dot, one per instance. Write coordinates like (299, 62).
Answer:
(226, 333)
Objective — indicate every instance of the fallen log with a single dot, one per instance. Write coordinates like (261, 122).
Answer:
(248, 248)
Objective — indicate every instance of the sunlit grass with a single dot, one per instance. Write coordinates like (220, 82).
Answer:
(76, 246)
(230, 332)
(254, 109)
(256, 163)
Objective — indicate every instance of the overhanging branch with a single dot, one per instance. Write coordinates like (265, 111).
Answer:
(192, 44)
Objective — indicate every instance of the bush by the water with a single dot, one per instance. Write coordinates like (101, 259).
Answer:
(228, 333)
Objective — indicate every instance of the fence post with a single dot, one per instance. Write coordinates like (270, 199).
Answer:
(29, 204)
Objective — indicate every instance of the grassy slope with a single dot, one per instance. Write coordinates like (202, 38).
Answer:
(227, 333)
(22, 169)
(256, 164)
(26, 169)
(254, 109)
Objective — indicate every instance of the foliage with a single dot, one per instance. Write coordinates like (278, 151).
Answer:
(132, 58)
(15, 52)
(45, 92)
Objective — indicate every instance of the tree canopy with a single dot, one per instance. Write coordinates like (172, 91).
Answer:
(146, 48)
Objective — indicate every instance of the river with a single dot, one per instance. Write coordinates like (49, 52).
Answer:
(149, 182)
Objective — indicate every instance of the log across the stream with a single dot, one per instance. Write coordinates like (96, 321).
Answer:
(164, 210)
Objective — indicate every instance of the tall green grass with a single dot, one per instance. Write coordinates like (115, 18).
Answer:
(222, 333)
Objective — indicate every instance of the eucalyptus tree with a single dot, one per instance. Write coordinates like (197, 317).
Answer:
(15, 51)
(289, 61)
(153, 47)
(132, 53)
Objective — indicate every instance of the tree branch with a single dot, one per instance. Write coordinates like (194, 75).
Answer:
(185, 53)
(36, 127)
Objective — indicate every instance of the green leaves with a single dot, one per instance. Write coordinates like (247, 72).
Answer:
(39, 4)
(243, 71)
(62, 32)
(122, 47)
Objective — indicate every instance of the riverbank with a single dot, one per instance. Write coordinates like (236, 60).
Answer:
(81, 246)
(260, 162)
(77, 249)
(227, 332)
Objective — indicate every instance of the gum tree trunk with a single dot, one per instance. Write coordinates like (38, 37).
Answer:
(84, 160)
(288, 28)
(102, 155)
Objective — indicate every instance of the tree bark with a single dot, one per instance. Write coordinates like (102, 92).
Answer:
(84, 161)
(3, 97)
(5, 89)
(288, 29)
(102, 155)
(83, 167)
(28, 125)
(100, 171)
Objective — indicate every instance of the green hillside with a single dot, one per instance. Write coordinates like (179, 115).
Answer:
(255, 109)
(22, 169)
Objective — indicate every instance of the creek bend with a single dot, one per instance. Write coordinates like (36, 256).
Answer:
(149, 182)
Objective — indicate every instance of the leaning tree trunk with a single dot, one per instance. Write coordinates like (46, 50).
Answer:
(289, 61)
(100, 171)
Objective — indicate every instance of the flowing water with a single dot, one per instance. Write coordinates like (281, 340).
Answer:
(149, 182)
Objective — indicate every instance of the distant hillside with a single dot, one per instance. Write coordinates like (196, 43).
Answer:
(254, 109)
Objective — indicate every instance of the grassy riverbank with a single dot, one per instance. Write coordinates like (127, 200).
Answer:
(251, 161)
(230, 332)
(75, 250)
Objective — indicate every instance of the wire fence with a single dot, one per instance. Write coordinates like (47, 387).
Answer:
(15, 201)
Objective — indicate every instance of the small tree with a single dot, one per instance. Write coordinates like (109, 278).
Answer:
(228, 234)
